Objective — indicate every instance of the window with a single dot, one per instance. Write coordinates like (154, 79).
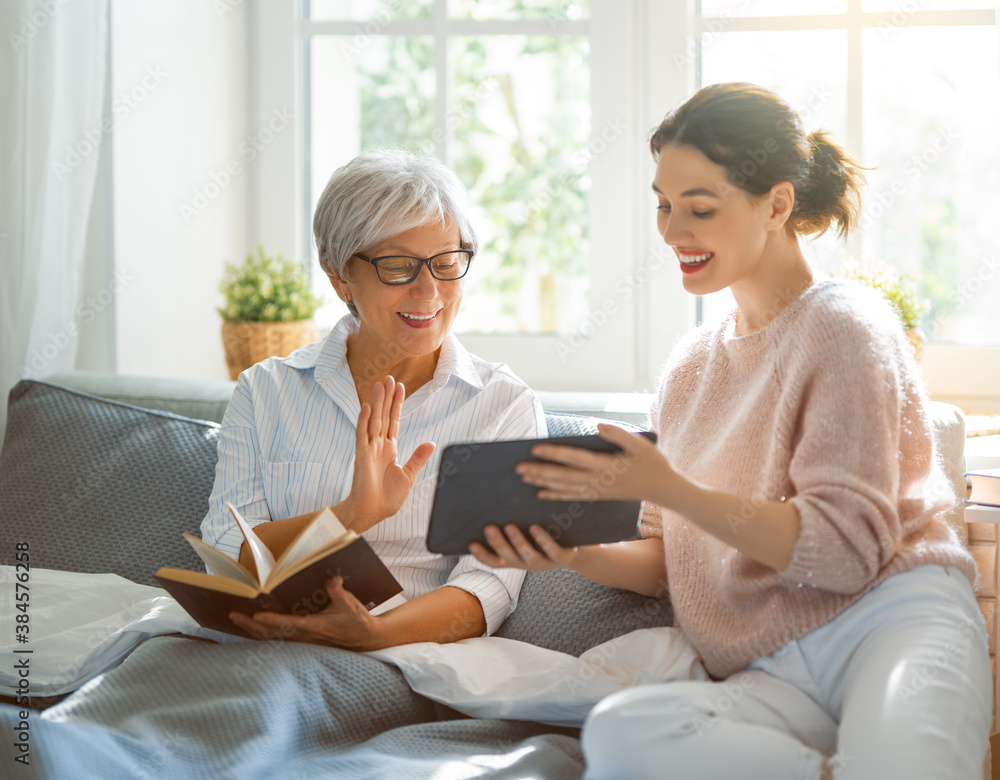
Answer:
(507, 93)
(910, 88)
(501, 92)
(575, 288)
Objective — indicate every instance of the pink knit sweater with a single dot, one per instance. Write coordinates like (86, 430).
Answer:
(825, 407)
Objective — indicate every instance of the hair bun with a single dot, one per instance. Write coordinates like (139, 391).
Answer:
(831, 190)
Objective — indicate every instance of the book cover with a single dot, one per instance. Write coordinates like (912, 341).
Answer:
(295, 584)
(210, 598)
(985, 487)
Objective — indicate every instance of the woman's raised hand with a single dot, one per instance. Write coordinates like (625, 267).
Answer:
(380, 484)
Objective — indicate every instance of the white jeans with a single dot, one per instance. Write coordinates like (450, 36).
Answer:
(896, 686)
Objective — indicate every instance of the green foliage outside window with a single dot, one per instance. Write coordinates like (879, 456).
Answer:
(527, 173)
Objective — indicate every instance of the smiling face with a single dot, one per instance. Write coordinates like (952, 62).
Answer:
(717, 230)
(402, 327)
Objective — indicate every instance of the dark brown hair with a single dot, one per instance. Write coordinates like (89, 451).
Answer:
(759, 140)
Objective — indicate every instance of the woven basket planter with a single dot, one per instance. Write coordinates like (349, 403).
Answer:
(247, 343)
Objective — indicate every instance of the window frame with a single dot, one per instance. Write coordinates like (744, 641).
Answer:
(636, 76)
(965, 375)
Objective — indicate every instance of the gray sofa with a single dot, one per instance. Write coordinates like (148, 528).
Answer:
(100, 473)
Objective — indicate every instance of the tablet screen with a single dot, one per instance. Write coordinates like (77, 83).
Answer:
(477, 486)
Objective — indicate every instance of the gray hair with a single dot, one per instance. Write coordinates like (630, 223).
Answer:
(383, 193)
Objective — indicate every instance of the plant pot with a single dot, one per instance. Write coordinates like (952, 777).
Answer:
(917, 340)
(247, 343)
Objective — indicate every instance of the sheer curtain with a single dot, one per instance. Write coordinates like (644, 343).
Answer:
(53, 75)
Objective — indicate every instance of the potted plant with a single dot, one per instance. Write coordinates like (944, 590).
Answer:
(268, 311)
(901, 291)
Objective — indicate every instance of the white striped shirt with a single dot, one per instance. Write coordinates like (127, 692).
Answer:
(287, 448)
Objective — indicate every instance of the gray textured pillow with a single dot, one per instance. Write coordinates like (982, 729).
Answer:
(98, 486)
(564, 611)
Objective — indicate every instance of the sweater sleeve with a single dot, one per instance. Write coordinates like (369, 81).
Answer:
(860, 443)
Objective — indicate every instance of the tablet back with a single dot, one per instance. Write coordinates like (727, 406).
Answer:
(477, 487)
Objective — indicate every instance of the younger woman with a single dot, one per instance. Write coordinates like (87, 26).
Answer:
(805, 557)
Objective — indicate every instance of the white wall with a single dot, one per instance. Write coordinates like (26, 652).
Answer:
(181, 178)
(275, 177)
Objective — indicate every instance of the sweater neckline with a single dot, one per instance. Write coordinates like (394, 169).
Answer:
(750, 345)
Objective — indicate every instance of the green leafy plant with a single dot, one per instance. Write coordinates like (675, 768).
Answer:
(267, 289)
(899, 289)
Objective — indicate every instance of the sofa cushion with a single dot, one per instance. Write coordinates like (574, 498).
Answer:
(98, 486)
(564, 611)
(202, 399)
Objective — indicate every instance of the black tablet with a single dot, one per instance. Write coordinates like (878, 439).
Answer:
(477, 486)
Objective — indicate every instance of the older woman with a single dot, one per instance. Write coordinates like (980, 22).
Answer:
(396, 242)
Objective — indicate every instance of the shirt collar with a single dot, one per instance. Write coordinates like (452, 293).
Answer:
(330, 354)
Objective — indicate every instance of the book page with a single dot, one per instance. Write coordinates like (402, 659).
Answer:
(219, 563)
(323, 530)
(385, 606)
(262, 557)
(207, 581)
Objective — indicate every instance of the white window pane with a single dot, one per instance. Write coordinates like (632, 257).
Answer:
(380, 93)
(520, 126)
(739, 8)
(809, 70)
(519, 9)
(931, 204)
(376, 10)
(905, 7)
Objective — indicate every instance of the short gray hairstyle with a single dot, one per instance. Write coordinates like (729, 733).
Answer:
(380, 194)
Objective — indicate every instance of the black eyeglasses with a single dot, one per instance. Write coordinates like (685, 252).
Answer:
(447, 266)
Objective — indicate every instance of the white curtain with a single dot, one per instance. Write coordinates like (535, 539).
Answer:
(53, 63)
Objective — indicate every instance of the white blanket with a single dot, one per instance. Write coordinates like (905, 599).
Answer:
(491, 677)
(80, 625)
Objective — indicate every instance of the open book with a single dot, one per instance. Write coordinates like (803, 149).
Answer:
(295, 583)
